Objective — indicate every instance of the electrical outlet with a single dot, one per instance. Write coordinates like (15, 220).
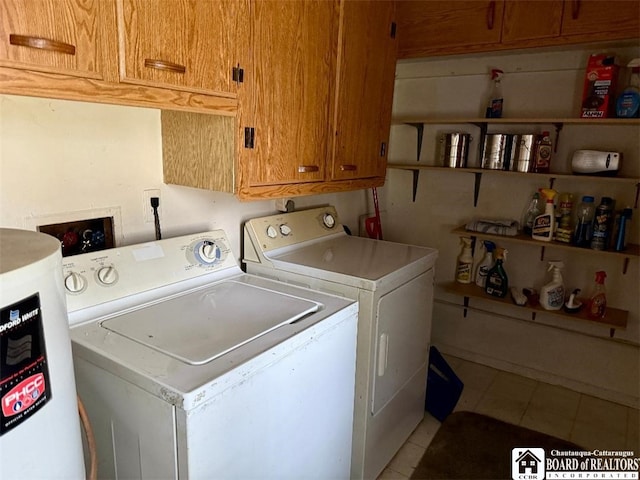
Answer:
(146, 204)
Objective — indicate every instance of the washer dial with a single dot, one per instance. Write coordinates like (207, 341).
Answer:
(272, 232)
(75, 283)
(285, 230)
(328, 220)
(107, 275)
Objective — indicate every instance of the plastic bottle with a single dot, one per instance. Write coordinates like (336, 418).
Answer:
(628, 103)
(602, 224)
(564, 225)
(534, 209)
(597, 303)
(485, 264)
(620, 235)
(497, 280)
(552, 294)
(542, 154)
(544, 224)
(465, 262)
(584, 222)
(495, 101)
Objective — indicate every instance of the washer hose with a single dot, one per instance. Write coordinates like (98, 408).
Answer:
(91, 441)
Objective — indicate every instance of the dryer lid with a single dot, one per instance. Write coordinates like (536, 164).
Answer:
(203, 325)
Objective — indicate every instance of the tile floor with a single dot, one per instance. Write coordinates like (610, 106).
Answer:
(582, 419)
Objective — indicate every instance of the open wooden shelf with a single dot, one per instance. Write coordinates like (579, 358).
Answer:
(614, 318)
(632, 250)
(508, 121)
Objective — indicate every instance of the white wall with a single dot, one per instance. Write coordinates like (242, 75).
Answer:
(543, 83)
(63, 161)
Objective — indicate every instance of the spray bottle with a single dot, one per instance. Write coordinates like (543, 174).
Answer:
(628, 104)
(495, 100)
(544, 224)
(552, 294)
(497, 281)
(597, 303)
(465, 262)
(485, 264)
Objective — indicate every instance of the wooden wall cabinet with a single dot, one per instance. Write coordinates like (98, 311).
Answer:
(190, 46)
(57, 36)
(440, 27)
(313, 120)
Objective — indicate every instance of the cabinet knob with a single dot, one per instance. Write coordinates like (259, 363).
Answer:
(42, 44)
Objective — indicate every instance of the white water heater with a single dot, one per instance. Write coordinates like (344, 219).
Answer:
(40, 434)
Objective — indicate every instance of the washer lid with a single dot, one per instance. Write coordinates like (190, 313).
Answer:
(203, 325)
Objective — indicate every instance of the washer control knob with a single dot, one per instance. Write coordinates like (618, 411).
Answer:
(107, 275)
(285, 230)
(74, 282)
(328, 220)
(272, 232)
(209, 252)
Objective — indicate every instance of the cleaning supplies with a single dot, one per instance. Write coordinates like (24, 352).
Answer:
(628, 103)
(620, 235)
(534, 209)
(584, 222)
(544, 224)
(497, 282)
(564, 225)
(597, 303)
(542, 153)
(495, 101)
(573, 305)
(485, 264)
(552, 294)
(601, 232)
(465, 262)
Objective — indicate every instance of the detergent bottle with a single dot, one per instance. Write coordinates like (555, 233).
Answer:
(497, 282)
(552, 294)
(544, 224)
(465, 262)
(485, 264)
(597, 303)
(495, 100)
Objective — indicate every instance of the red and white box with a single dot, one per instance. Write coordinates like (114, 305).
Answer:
(598, 95)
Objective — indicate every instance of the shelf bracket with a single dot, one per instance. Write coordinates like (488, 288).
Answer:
(612, 332)
(635, 205)
(541, 254)
(466, 305)
(420, 128)
(558, 130)
(416, 176)
(625, 265)
(552, 180)
(476, 187)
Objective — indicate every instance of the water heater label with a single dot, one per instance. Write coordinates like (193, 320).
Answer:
(24, 375)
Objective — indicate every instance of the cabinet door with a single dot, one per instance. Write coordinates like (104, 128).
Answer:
(427, 26)
(596, 16)
(531, 19)
(60, 36)
(365, 89)
(188, 45)
(291, 85)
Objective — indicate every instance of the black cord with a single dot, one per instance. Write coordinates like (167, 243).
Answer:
(155, 203)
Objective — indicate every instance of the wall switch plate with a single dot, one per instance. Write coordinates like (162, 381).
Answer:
(146, 204)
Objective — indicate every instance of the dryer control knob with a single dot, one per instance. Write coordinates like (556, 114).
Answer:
(285, 230)
(272, 232)
(74, 282)
(209, 252)
(328, 220)
(107, 275)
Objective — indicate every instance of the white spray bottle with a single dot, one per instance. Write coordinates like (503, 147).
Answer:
(464, 265)
(485, 264)
(552, 294)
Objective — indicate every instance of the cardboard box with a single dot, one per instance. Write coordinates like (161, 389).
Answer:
(598, 96)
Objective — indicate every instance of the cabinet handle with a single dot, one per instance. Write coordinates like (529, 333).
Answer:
(575, 9)
(348, 168)
(42, 44)
(491, 13)
(164, 65)
(308, 168)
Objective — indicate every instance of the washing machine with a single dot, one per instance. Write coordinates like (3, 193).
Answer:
(40, 435)
(393, 284)
(190, 368)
